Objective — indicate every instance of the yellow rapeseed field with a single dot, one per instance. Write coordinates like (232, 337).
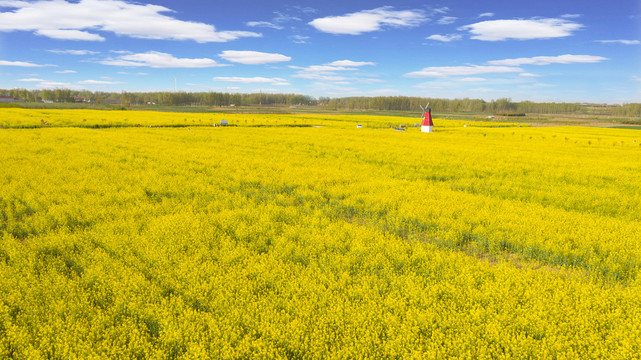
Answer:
(159, 236)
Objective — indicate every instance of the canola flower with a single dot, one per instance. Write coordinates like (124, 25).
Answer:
(277, 240)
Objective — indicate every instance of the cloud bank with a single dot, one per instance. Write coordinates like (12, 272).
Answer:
(328, 72)
(350, 63)
(253, 80)
(99, 82)
(447, 71)
(498, 30)
(445, 38)
(73, 52)
(157, 59)
(64, 20)
(20, 64)
(369, 20)
(502, 66)
(253, 57)
(547, 60)
(624, 42)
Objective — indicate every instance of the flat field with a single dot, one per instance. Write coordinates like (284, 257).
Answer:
(158, 236)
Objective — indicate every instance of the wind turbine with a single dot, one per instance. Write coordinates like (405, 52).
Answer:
(175, 82)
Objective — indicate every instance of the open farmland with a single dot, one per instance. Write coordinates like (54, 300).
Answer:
(157, 235)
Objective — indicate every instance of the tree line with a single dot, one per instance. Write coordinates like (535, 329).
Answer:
(381, 103)
(404, 103)
(160, 98)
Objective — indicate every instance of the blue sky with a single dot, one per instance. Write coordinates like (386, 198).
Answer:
(573, 51)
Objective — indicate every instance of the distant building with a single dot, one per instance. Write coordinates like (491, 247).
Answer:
(10, 99)
(112, 102)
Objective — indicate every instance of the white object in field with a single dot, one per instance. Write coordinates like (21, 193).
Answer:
(223, 122)
(427, 128)
(359, 126)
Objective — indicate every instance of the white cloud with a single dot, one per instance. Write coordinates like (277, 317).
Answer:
(73, 52)
(506, 81)
(328, 72)
(323, 69)
(20, 64)
(265, 91)
(252, 57)
(299, 39)
(441, 10)
(128, 73)
(313, 68)
(486, 14)
(318, 76)
(53, 84)
(444, 38)
(441, 85)
(157, 59)
(547, 60)
(319, 72)
(281, 17)
(311, 76)
(446, 20)
(99, 82)
(350, 63)
(537, 85)
(31, 80)
(471, 79)
(530, 75)
(625, 42)
(266, 24)
(484, 90)
(369, 81)
(66, 72)
(636, 78)
(59, 85)
(305, 9)
(253, 80)
(60, 34)
(571, 16)
(339, 90)
(446, 71)
(497, 30)
(369, 20)
(80, 20)
(12, 3)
